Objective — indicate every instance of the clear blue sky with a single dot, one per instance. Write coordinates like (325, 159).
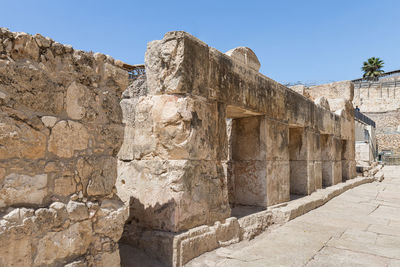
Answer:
(302, 40)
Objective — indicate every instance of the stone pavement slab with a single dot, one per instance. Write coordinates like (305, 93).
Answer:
(360, 227)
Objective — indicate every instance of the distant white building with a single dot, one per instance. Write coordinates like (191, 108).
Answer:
(366, 147)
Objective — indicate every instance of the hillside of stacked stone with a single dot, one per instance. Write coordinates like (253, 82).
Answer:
(184, 168)
(60, 131)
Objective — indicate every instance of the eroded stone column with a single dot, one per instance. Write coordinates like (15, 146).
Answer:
(277, 155)
(331, 160)
(348, 162)
(316, 157)
(304, 154)
(171, 170)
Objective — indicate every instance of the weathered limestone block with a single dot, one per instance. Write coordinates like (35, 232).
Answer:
(111, 218)
(342, 89)
(182, 64)
(176, 249)
(102, 179)
(60, 131)
(298, 109)
(65, 185)
(58, 245)
(107, 259)
(318, 174)
(278, 182)
(49, 121)
(25, 46)
(250, 187)
(277, 164)
(198, 241)
(15, 250)
(316, 158)
(77, 211)
(348, 160)
(300, 89)
(245, 56)
(168, 62)
(331, 160)
(20, 140)
(322, 101)
(171, 127)
(305, 163)
(23, 189)
(173, 195)
(75, 93)
(182, 162)
(277, 140)
(68, 137)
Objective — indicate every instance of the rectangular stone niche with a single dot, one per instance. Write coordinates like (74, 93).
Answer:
(247, 178)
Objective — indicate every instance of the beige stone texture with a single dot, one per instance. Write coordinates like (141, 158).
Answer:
(342, 89)
(171, 127)
(67, 137)
(71, 150)
(207, 135)
(323, 102)
(245, 56)
(350, 229)
(58, 245)
(194, 242)
(387, 133)
(49, 121)
(19, 140)
(180, 187)
(60, 132)
(23, 189)
(75, 93)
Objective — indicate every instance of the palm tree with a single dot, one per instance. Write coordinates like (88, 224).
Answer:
(372, 68)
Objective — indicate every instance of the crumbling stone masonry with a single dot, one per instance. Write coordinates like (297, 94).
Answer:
(200, 140)
(60, 132)
(207, 134)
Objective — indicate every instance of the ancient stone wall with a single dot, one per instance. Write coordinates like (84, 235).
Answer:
(377, 99)
(182, 166)
(60, 131)
(381, 104)
(387, 130)
(342, 89)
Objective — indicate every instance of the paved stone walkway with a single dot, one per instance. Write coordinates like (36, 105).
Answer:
(361, 227)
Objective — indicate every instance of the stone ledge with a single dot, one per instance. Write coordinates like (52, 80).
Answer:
(194, 242)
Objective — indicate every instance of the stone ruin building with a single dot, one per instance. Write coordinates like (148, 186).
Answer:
(378, 102)
(198, 152)
(366, 146)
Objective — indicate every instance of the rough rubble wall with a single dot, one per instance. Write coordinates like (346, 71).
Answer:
(387, 130)
(342, 89)
(60, 131)
(377, 99)
(382, 104)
